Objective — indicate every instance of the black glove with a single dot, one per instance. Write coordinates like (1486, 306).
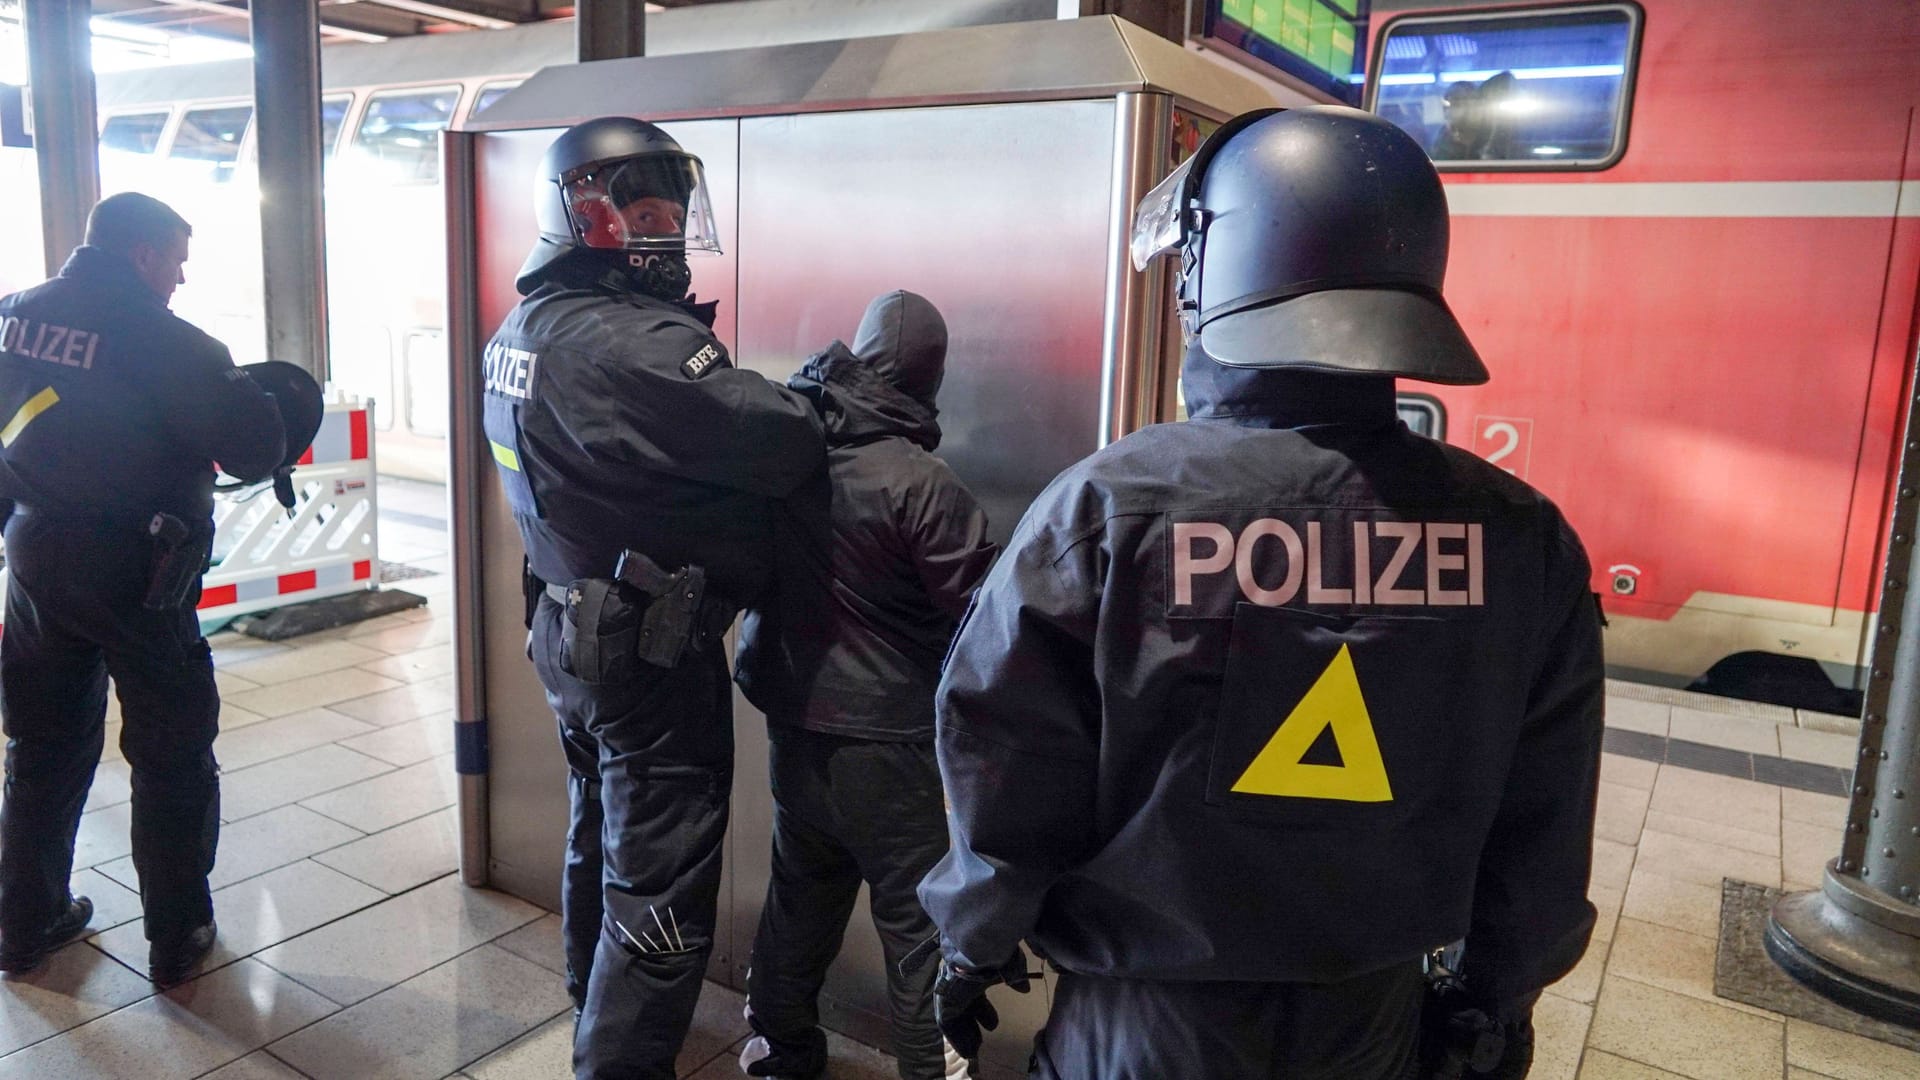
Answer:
(1462, 1042)
(960, 1004)
(283, 487)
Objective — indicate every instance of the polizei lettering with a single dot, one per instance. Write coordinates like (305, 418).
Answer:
(45, 341)
(509, 371)
(1336, 562)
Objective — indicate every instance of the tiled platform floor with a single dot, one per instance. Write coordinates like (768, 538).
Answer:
(349, 950)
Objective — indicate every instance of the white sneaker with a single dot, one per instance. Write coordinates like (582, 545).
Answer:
(956, 1065)
(755, 1049)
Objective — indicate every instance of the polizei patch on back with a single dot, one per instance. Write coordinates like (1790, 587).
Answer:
(1326, 559)
(510, 372)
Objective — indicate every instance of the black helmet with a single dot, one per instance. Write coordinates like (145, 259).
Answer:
(1312, 238)
(617, 184)
(299, 400)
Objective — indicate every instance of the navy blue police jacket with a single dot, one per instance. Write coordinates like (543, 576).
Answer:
(1281, 693)
(112, 407)
(618, 420)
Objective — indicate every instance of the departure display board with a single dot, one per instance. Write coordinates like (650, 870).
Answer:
(1319, 42)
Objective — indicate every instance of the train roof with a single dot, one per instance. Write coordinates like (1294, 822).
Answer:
(1056, 60)
(528, 48)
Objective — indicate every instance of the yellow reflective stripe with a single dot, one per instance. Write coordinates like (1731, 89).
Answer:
(502, 454)
(39, 403)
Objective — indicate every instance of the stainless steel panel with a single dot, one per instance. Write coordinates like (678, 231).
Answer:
(1135, 365)
(286, 137)
(1001, 216)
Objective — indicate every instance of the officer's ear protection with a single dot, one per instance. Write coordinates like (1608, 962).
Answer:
(1194, 219)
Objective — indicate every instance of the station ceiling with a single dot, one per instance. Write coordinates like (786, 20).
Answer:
(345, 20)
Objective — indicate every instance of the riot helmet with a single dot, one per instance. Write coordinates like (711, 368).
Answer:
(624, 188)
(1311, 238)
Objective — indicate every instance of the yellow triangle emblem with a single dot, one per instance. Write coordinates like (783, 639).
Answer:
(1333, 702)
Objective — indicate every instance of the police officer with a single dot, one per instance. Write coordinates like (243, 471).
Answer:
(627, 443)
(1260, 708)
(114, 411)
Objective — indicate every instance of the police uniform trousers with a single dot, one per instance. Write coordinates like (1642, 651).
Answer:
(1364, 1028)
(651, 763)
(847, 810)
(74, 617)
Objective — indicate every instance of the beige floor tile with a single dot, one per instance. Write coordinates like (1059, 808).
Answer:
(254, 790)
(1685, 1035)
(1612, 863)
(1559, 1034)
(283, 735)
(387, 800)
(1599, 1065)
(1712, 832)
(261, 843)
(1690, 793)
(417, 666)
(538, 941)
(310, 658)
(544, 1052)
(111, 750)
(233, 716)
(183, 1033)
(380, 625)
(1630, 715)
(282, 699)
(77, 983)
(409, 701)
(409, 743)
(404, 856)
(260, 912)
(1718, 729)
(1582, 984)
(1606, 904)
(228, 683)
(112, 785)
(1668, 902)
(104, 836)
(432, 1024)
(1813, 808)
(1702, 863)
(1633, 772)
(1805, 850)
(1821, 747)
(1621, 813)
(1669, 959)
(368, 951)
(410, 637)
(113, 903)
(258, 1065)
(1847, 1057)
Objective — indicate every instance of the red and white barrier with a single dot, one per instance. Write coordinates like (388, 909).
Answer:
(264, 559)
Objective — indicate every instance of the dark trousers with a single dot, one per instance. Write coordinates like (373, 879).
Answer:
(847, 810)
(652, 767)
(73, 617)
(1365, 1028)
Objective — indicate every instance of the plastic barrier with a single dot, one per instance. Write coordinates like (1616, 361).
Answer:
(264, 559)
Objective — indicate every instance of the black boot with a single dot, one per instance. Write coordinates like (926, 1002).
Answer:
(174, 962)
(18, 956)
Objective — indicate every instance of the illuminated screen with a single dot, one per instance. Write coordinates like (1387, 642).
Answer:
(1319, 42)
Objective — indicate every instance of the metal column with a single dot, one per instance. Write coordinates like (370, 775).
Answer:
(65, 131)
(286, 126)
(1133, 367)
(609, 29)
(466, 471)
(1857, 940)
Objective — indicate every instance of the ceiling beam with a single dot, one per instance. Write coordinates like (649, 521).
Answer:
(446, 13)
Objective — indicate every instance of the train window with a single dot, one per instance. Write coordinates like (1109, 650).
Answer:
(1423, 415)
(1542, 88)
(211, 138)
(489, 94)
(333, 113)
(133, 133)
(396, 137)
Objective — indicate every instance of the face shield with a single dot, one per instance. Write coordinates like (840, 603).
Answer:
(1159, 223)
(657, 202)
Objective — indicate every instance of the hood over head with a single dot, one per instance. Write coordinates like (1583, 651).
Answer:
(903, 336)
(858, 405)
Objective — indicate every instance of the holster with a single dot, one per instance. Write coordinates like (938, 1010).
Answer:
(1457, 1038)
(681, 616)
(179, 558)
(598, 629)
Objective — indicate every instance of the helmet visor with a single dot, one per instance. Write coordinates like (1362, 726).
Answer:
(657, 202)
(1159, 223)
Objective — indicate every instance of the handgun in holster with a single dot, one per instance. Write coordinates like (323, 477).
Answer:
(1457, 1039)
(175, 564)
(672, 621)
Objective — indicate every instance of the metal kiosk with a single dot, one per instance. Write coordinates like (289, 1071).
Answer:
(993, 169)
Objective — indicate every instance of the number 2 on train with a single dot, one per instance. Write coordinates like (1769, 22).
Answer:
(1506, 441)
